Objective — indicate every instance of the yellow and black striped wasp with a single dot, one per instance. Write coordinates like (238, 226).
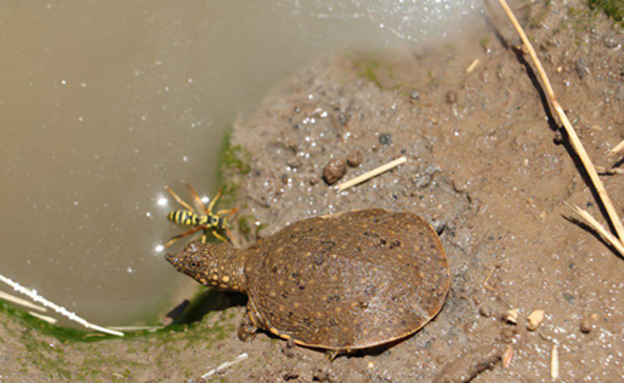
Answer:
(200, 219)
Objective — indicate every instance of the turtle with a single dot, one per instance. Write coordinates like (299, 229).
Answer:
(351, 281)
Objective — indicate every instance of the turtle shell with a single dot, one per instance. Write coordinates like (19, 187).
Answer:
(350, 281)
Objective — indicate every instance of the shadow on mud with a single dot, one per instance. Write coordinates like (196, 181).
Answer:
(210, 300)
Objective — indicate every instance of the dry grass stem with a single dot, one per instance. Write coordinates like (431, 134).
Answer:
(574, 139)
(20, 301)
(604, 233)
(486, 283)
(225, 365)
(472, 66)
(136, 328)
(32, 294)
(44, 318)
(618, 148)
(366, 176)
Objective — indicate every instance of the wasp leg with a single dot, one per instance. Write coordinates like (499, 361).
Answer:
(178, 199)
(213, 202)
(196, 197)
(193, 230)
(229, 235)
(214, 232)
(229, 212)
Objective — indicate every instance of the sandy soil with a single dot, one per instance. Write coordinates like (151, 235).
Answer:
(486, 166)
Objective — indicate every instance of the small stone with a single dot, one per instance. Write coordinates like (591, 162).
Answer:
(385, 139)
(535, 319)
(313, 181)
(507, 356)
(440, 360)
(451, 97)
(294, 163)
(290, 375)
(354, 158)
(620, 93)
(569, 297)
(610, 42)
(486, 311)
(414, 95)
(509, 334)
(582, 68)
(558, 138)
(334, 170)
(511, 316)
(586, 325)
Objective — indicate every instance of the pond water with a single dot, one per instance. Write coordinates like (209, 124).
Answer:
(103, 103)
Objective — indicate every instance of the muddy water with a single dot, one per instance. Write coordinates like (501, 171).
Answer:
(103, 103)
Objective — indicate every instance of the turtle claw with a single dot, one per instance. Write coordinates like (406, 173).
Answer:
(331, 355)
(247, 329)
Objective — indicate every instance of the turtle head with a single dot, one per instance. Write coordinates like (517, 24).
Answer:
(219, 266)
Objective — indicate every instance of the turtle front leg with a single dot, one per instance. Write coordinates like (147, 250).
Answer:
(247, 328)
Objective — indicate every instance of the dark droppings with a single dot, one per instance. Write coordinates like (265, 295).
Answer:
(385, 139)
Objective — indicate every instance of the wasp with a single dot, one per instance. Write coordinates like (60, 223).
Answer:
(202, 218)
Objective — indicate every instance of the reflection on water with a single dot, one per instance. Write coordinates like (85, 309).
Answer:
(102, 103)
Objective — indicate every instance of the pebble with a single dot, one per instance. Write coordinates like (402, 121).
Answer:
(385, 139)
(486, 311)
(582, 69)
(509, 334)
(334, 170)
(451, 97)
(511, 316)
(610, 42)
(586, 325)
(620, 93)
(535, 319)
(354, 158)
(294, 163)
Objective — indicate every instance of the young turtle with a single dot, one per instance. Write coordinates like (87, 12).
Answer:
(350, 281)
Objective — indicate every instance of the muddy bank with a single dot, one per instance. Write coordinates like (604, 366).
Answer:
(485, 166)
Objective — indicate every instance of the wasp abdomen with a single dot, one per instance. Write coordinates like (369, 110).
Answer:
(183, 217)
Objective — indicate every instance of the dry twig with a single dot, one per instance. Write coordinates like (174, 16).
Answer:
(472, 66)
(44, 318)
(617, 148)
(486, 283)
(554, 362)
(366, 176)
(225, 365)
(574, 139)
(20, 301)
(609, 171)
